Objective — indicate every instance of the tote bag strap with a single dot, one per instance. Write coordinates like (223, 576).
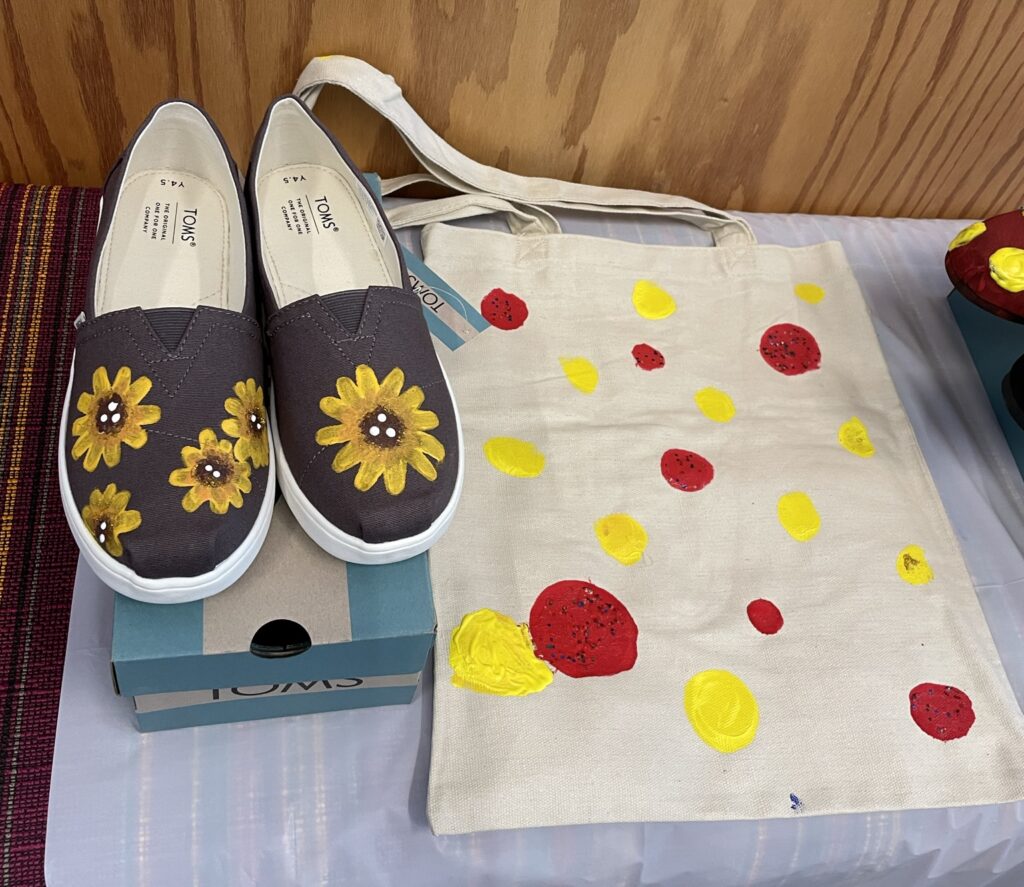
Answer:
(446, 166)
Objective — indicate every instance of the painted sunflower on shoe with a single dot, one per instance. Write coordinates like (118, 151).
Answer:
(113, 414)
(382, 429)
(108, 516)
(248, 423)
(212, 474)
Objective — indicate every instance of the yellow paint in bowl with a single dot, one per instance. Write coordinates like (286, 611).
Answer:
(1006, 266)
(798, 516)
(913, 566)
(621, 536)
(809, 292)
(580, 372)
(854, 438)
(967, 235)
(651, 301)
(716, 405)
(721, 709)
(517, 458)
(492, 654)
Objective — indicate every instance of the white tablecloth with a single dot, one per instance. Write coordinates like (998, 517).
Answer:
(339, 798)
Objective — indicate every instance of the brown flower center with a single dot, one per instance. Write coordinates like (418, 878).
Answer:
(111, 414)
(382, 428)
(257, 422)
(103, 528)
(213, 470)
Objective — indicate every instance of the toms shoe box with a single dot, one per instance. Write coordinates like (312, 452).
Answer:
(300, 632)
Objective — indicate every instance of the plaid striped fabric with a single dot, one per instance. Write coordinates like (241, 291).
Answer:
(46, 234)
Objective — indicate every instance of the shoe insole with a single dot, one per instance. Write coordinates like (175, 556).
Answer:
(321, 233)
(168, 245)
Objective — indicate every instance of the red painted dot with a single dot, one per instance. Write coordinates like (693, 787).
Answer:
(583, 630)
(790, 349)
(648, 357)
(504, 310)
(941, 711)
(764, 616)
(686, 470)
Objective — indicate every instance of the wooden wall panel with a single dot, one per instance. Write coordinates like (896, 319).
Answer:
(892, 107)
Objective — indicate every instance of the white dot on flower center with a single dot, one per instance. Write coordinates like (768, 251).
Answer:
(103, 525)
(252, 417)
(104, 417)
(209, 468)
(390, 432)
(116, 417)
(216, 474)
(381, 417)
(103, 537)
(374, 430)
(112, 405)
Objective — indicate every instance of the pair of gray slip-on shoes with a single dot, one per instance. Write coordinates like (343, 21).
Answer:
(172, 435)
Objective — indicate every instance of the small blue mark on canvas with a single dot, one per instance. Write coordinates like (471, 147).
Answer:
(795, 804)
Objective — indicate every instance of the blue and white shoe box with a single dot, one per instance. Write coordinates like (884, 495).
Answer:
(300, 632)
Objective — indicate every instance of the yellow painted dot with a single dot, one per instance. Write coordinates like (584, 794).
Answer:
(492, 654)
(721, 709)
(518, 458)
(913, 566)
(809, 292)
(798, 516)
(1006, 266)
(580, 372)
(967, 235)
(854, 438)
(621, 536)
(715, 405)
(651, 301)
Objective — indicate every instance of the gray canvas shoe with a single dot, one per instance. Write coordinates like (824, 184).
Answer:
(368, 439)
(166, 467)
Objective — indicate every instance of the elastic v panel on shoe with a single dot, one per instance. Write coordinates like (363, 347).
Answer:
(169, 324)
(347, 307)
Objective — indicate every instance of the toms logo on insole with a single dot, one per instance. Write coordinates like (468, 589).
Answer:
(323, 210)
(188, 226)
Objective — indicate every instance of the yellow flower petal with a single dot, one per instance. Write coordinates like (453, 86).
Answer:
(367, 475)
(423, 465)
(100, 382)
(366, 381)
(651, 301)
(122, 381)
(430, 445)
(393, 383)
(138, 389)
(394, 477)
(425, 420)
(346, 457)
(411, 398)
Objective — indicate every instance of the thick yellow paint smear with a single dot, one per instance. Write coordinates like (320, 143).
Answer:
(518, 458)
(715, 404)
(967, 235)
(798, 516)
(721, 709)
(580, 372)
(809, 292)
(913, 566)
(854, 438)
(621, 536)
(651, 301)
(1006, 265)
(492, 654)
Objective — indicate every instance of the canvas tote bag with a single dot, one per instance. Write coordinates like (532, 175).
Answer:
(699, 569)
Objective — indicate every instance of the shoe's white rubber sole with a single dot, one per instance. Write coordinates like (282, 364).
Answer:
(169, 590)
(351, 548)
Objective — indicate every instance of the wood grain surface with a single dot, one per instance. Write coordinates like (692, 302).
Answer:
(887, 107)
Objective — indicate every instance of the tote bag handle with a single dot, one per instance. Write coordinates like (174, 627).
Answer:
(487, 189)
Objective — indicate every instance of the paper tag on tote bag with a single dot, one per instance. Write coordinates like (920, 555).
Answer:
(450, 317)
